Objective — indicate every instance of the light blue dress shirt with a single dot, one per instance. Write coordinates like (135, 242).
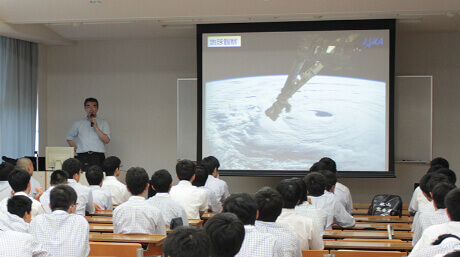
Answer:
(88, 139)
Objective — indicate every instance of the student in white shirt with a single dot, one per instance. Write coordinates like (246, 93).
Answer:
(5, 188)
(101, 197)
(36, 189)
(306, 209)
(58, 177)
(14, 243)
(137, 216)
(111, 167)
(226, 232)
(217, 185)
(193, 200)
(187, 241)
(201, 176)
(18, 216)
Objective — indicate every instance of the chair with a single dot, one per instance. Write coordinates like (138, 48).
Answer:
(314, 253)
(345, 253)
(116, 249)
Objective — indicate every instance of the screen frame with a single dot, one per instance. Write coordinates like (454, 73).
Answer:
(384, 24)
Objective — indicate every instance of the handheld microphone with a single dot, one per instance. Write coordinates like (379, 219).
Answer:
(92, 123)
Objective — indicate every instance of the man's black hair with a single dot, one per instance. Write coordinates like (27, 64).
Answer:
(19, 205)
(436, 179)
(185, 169)
(441, 238)
(201, 176)
(58, 177)
(269, 203)
(439, 161)
(424, 183)
(137, 180)
(331, 179)
(5, 169)
(243, 205)
(210, 163)
(331, 165)
(434, 168)
(318, 166)
(449, 173)
(111, 164)
(187, 242)
(19, 179)
(94, 175)
(91, 100)
(289, 189)
(303, 190)
(62, 197)
(316, 183)
(226, 232)
(439, 193)
(72, 166)
(452, 203)
(161, 181)
(455, 253)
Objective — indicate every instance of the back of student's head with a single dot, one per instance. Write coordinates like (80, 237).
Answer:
(62, 197)
(316, 183)
(449, 173)
(434, 168)
(289, 190)
(58, 177)
(210, 163)
(424, 183)
(185, 169)
(269, 203)
(137, 180)
(19, 205)
(331, 179)
(110, 165)
(243, 206)
(452, 202)
(94, 175)
(187, 242)
(226, 232)
(161, 181)
(319, 166)
(439, 193)
(439, 161)
(5, 169)
(19, 180)
(303, 189)
(331, 165)
(23, 163)
(72, 166)
(436, 179)
(201, 175)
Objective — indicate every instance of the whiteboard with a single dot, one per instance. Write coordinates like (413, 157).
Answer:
(186, 118)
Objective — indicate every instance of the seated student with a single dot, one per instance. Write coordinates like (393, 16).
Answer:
(137, 216)
(161, 182)
(443, 246)
(58, 177)
(111, 167)
(269, 204)
(201, 176)
(307, 232)
(316, 185)
(187, 242)
(439, 216)
(188, 196)
(5, 188)
(256, 243)
(226, 232)
(13, 243)
(85, 198)
(217, 185)
(62, 233)
(101, 197)
(35, 187)
(18, 216)
(452, 202)
(19, 181)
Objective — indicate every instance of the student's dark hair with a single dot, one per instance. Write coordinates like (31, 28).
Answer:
(434, 168)
(331, 165)
(210, 163)
(62, 197)
(226, 232)
(185, 169)
(331, 179)
(269, 203)
(316, 183)
(94, 175)
(72, 166)
(137, 180)
(111, 164)
(243, 206)
(318, 166)
(436, 179)
(441, 238)
(91, 100)
(289, 189)
(449, 173)
(303, 190)
(5, 169)
(161, 180)
(455, 253)
(187, 242)
(439, 161)
(424, 183)
(201, 175)
(19, 205)
(452, 202)
(58, 177)
(19, 179)
(439, 194)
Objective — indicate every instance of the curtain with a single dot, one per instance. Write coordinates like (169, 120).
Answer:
(18, 97)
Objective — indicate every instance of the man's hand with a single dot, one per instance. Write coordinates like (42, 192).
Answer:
(97, 207)
(40, 192)
(93, 120)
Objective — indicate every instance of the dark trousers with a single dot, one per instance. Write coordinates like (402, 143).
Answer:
(89, 159)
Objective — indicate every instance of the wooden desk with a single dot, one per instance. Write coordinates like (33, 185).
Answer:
(364, 212)
(383, 219)
(338, 234)
(122, 238)
(377, 226)
(102, 228)
(405, 246)
(195, 222)
(366, 206)
(99, 220)
(103, 213)
(207, 215)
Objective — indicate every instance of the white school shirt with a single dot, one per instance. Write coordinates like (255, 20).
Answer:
(45, 199)
(219, 187)
(13, 222)
(190, 197)
(37, 208)
(33, 185)
(427, 219)
(168, 207)
(102, 197)
(343, 195)
(62, 234)
(429, 207)
(285, 237)
(445, 247)
(84, 197)
(335, 211)
(15, 244)
(318, 216)
(432, 233)
(119, 191)
(213, 204)
(418, 199)
(259, 244)
(5, 190)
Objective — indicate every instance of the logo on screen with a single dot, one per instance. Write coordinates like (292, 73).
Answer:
(224, 41)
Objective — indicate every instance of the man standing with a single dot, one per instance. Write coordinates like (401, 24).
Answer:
(93, 133)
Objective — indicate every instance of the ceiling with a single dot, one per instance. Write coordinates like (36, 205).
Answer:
(63, 22)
